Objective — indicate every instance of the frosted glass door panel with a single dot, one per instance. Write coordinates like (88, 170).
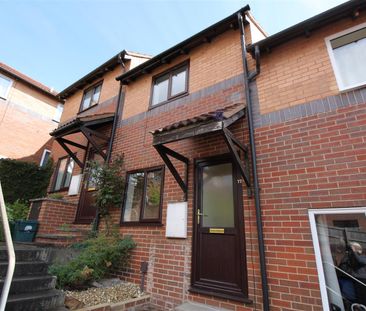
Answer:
(217, 196)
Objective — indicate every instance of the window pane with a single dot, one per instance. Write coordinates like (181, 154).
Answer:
(179, 81)
(60, 174)
(152, 199)
(134, 195)
(86, 100)
(351, 62)
(342, 243)
(58, 112)
(45, 158)
(69, 169)
(96, 95)
(4, 86)
(160, 90)
(217, 196)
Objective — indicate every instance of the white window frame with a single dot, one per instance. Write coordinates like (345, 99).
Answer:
(57, 115)
(314, 234)
(43, 156)
(10, 86)
(333, 61)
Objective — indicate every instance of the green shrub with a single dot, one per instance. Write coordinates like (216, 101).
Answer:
(23, 180)
(97, 258)
(17, 211)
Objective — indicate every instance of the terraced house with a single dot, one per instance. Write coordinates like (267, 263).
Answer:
(28, 109)
(245, 164)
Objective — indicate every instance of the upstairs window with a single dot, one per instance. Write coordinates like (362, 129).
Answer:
(5, 85)
(143, 196)
(169, 85)
(348, 57)
(91, 97)
(63, 174)
(45, 157)
(58, 113)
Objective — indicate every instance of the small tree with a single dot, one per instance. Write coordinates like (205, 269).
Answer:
(109, 183)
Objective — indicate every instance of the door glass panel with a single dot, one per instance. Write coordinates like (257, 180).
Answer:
(152, 200)
(134, 195)
(342, 243)
(69, 169)
(60, 174)
(217, 196)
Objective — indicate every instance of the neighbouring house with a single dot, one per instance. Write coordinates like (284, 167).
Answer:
(89, 119)
(29, 111)
(245, 161)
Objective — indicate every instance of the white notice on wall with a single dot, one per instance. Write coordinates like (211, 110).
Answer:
(74, 184)
(176, 220)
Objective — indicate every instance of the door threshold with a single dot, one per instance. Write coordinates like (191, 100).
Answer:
(215, 293)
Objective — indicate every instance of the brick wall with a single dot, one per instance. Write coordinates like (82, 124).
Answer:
(209, 64)
(300, 70)
(25, 114)
(312, 162)
(54, 213)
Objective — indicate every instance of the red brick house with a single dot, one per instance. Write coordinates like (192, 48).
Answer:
(245, 166)
(28, 109)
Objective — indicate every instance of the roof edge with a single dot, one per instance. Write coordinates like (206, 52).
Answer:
(178, 48)
(305, 27)
(29, 83)
(92, 75)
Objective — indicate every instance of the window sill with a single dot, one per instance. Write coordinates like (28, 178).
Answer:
(352, 87)
(169, 100)
(90, 107)
(141, 224)
(59, 190)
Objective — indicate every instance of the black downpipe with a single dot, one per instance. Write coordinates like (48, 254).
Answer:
(247, 78)
(117, 113)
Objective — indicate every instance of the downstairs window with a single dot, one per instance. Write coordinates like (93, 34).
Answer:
(143, 196)
(339, 237)
(63, 174)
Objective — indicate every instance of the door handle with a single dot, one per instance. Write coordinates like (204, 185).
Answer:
(199, 214)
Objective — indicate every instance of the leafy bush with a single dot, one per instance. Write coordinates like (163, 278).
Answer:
(17, 211)
(98, 257)
(109, 183)
(23, 180)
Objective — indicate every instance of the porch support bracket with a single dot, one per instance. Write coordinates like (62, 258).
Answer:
(63, 142)
(232, 143)
(88, 133)
(182, 182)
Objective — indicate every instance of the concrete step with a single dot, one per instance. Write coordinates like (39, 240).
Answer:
(36, 301)
(22, 285)
(25, 268)
(192, 306)
(26, 254)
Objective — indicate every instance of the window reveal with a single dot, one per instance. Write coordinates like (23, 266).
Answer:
(91, 97)
(341, 256)
(348, 57)
(170, 85)
(143, 196)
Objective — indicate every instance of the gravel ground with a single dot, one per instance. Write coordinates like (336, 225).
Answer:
(97, 295)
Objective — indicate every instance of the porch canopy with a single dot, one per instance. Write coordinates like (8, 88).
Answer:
(88, 126)
(210, 122)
